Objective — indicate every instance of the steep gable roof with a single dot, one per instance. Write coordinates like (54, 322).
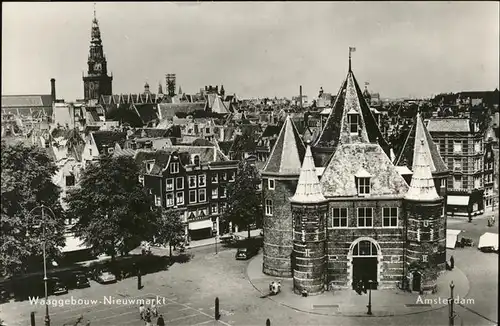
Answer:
(339, 177)
(218, 106)
(26, 101)
(336, 130)
(422, 184)
(406, 155)
(147, 112)
(288, 152)
(168, 110)
(308, 188)
(109, 139)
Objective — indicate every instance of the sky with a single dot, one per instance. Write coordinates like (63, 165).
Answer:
(255, 49)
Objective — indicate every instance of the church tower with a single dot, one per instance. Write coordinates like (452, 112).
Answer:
(96, 82)
(309, 215)
(279, 182)
(425, 254)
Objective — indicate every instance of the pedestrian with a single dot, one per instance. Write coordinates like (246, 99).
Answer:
(148, 313)
(452, 262)
(160, 321)
(141, 311)
(154, 311)
(148, 321)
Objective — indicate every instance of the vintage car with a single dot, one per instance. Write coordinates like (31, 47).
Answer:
(105, 277)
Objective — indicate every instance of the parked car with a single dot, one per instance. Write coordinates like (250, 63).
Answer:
(104, 277)
(465, 242)
(247, 252)
(77, 280)
(55, 286)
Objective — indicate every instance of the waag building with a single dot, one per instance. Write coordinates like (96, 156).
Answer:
(338, 211)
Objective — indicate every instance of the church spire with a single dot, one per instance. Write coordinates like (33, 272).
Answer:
(422, 184)
(308, 188)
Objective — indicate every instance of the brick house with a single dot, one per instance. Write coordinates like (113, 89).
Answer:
(461, 147)
(356, 219)
(193, 179)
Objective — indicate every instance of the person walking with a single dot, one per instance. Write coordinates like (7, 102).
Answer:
(154, 310)
(452, 262)
(141, 311)
(148, 321)
(160, 321)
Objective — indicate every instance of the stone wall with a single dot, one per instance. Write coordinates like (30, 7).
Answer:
(278, 244)
(390, 240)
(309, 255)
(426, 249)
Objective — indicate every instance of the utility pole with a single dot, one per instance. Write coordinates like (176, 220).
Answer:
(450, 303)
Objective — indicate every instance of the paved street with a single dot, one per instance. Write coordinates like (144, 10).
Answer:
(190, 289)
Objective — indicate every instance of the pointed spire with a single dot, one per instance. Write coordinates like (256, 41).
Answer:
(422, 184)
(308, 188)
(95, 16)
(287, 153)
(406, 155)
(160, 89)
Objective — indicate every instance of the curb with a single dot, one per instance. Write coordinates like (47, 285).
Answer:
(341, 314)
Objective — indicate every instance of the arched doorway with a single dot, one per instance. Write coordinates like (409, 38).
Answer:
(365, 256)
(416, 282)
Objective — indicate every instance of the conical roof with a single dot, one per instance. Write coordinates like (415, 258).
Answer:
(287, 153)
(350, 100)
(308, 188)
(405, 157)
(422, 184)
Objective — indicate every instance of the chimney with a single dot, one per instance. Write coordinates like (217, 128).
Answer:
(300, 95)
(53, 89)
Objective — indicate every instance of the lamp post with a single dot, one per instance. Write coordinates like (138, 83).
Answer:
(369, 312)
(45, 279)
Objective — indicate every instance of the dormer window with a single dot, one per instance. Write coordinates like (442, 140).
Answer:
(149, 166)
(353, 119)
(270, 184)
(363, 179)
(196, 160)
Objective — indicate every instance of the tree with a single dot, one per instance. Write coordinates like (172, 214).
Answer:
(243, 199)
(26, 184)
(170, 228)
(112, 209)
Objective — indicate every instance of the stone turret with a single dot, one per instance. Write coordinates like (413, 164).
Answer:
(279, 182)
(309, 213)
(425, 254)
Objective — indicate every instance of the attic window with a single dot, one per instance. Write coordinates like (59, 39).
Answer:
(196, 160)
(363, 181)
(70, 180)
(149, 166)
(353, 119)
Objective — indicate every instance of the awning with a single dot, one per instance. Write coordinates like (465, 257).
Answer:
(458, 200)
(198, 225)
(488, 240)
(73, 244)
(451, 238)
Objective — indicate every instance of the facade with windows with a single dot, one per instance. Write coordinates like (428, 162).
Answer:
(461, 146)
(357, 219)
(192, 179)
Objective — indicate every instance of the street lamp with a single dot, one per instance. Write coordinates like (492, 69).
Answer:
(45, 279)
(369, 312)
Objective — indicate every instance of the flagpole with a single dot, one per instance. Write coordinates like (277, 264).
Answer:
(349, 59)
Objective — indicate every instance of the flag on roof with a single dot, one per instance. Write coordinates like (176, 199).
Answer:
(351, 49)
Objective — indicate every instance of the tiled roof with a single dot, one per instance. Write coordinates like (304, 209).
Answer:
(288, 152)
(210, 98)
(207, 153)
(448, 125)
(422, 184)
(350, 100)
(218, 106)
(308, 188)
(151, 133)
(147, 112)
(338, 179)
(271, 130)
(109, 139)
(419, 131)
(22, 101)
(168, 110)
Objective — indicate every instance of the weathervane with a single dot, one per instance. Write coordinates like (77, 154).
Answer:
(94, 11)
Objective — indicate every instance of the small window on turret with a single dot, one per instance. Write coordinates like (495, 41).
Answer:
(353, 123)
(270, 184)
